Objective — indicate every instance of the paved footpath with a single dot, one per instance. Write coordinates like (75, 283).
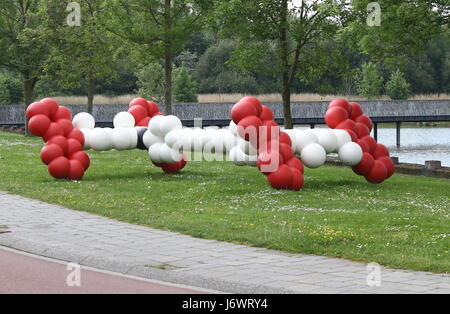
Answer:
(94, 241)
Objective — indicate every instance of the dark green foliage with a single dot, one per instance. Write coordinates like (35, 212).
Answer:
(185, 88)
(397, 87)
(11, 89)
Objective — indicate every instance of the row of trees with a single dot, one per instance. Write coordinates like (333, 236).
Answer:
(289, 43)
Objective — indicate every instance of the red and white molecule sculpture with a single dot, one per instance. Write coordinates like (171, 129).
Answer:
(253, 139)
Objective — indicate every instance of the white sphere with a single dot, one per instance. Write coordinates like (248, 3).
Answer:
(133, 138)
(172, 138)
(303, 139)
(83, 120)
(238, 157)
(229, 140)
(154, 152)
(313, 155)
(328, 140)
(100, 140)
(86, 133)
(342, 137)
(197, 140)
(155, 126)
(168, 155)
(170, 123)
(124, 120)
(247, 148)
(121, 138)
(149, 139)
(233, 128)
(350, 154)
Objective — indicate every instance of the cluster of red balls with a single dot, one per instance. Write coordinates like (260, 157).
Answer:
(63, 152)
(249, 114)
(376, 165)
(143, 111)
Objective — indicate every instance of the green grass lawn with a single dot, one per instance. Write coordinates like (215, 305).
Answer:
(403, 223)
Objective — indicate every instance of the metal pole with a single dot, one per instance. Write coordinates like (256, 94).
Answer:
(398, 124)
(375, 131)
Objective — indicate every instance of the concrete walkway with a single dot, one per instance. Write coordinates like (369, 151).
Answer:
(86, 239)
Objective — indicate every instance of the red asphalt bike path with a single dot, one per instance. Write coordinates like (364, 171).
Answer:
(26, 274)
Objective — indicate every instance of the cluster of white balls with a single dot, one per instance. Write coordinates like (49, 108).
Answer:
(166, 139)
(122, 137)
(312, 146)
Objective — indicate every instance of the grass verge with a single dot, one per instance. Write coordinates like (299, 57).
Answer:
(403, 223)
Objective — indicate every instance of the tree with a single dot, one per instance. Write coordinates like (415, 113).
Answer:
(280, 36)
(151, 81)
(185, 88)
(397, 87)
(369, 82)
(160, 28)
(11, 90)
(404, 28)
(84, 52)
(22, 43)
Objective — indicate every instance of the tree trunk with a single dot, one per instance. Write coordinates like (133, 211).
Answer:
(28, 87)
(168, 58)
(91, 91)
(284, 45)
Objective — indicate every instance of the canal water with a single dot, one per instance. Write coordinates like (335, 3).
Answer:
(418, 144)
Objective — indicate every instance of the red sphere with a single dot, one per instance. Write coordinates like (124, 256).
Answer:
(62, 113)
(362, 130)
(281, 178)
(352, 134)
(364, 146)
(365, 120)
(61, 141)
(37, 108)
(249, 127)
(389, 164)
(266, 114)
(83, 158)
(172, 168)
(286, 151)
(142, 103)
(242, 110)
(297, 164)
(365, 166)
(254, 102)
(66, 125)
(52, 106)
(370, 141)
(378, 173)
(78, 135)
(50, 152)
(380, 151)
(335, 116)
(139, 113)
(285, 138)
(54, 130)
(297, 180)
(152, 108)
(59, 168)
(340, 102)
(269, 162)
(356, 110)
(73, 146)
(347, 125)
(76, 171)
(39, 124)
(144, 122)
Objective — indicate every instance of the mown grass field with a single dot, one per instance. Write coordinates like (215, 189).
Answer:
(403, 223)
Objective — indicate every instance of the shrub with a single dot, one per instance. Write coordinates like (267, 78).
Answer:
(397, 87)
(11, 91)
(369, 82)
(185, 88)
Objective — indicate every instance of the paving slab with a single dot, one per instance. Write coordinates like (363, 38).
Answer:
(90, 240)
